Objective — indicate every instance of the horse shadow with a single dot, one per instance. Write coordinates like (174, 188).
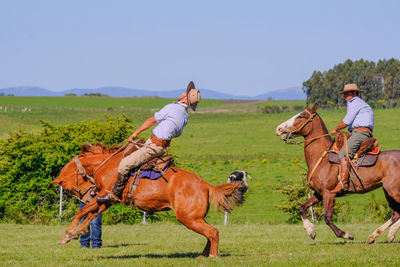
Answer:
(191, 255)
(125, 245)
(352, 242)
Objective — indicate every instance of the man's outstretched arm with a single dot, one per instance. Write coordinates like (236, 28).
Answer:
(146, 125)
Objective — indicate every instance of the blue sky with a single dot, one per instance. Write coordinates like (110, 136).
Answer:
(237, 47)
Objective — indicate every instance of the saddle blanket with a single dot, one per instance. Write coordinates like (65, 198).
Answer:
(149, 174)
(365, 161)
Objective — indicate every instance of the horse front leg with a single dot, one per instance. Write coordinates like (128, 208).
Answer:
(329, 204)
(84, 226)
(309, 226)
(72, 230)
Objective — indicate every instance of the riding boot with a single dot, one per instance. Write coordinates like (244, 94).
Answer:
(343, 184)
(116, 193)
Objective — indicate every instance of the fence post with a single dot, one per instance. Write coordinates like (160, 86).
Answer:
(144, 218)
(61, 196)
(311, 209)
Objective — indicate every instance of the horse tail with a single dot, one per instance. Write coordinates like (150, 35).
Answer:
(227, 196)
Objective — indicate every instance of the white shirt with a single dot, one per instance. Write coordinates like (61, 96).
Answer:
(171, 119)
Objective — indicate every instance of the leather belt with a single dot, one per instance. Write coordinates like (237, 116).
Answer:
(160, 142)
(363, 129)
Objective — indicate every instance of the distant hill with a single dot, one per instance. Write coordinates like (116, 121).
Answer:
(293, 93)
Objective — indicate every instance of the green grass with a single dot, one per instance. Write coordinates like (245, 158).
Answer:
(168, 244)
(215, 144)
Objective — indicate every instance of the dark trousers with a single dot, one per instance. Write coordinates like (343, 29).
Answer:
(95, 234)
(354, 143)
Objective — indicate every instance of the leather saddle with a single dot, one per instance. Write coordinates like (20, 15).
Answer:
(158, 164)
(366, 156)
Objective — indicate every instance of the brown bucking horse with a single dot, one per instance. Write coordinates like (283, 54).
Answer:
(182, 191)
(322, 176)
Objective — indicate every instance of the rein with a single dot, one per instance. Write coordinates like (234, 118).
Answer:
(304, 141)
(318, 162)
(81, 170)
(309, 141)
(301, 128)
(112, 155)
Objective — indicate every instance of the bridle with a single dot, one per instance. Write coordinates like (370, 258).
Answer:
(300, 128)
(307, 142)
(81, 170)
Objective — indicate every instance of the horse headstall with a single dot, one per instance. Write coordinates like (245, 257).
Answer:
(299, 129)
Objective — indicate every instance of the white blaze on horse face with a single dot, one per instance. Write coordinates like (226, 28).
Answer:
(289, 123)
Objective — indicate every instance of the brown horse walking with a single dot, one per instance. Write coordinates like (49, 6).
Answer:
(182, 191)
(323, 176)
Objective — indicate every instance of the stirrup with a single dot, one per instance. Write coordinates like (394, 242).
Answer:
(110, 197)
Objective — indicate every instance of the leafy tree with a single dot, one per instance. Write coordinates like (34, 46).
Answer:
(381, 81)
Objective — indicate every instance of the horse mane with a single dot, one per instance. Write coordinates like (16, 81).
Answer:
(100, 148)
(97, 148)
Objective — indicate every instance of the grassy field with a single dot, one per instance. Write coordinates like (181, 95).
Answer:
(215, 143)
(221, 138)
(168, 244)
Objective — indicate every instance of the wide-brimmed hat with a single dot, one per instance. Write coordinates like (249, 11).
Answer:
(192, 96)
(350, 87)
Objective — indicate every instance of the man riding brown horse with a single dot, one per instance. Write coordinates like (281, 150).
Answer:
(360, 122)
(171, 120)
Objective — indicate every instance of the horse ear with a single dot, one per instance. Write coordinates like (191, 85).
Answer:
(56, 181)
(314, 108)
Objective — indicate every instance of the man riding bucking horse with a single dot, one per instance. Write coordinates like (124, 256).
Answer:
(171, 120)
(360, 122)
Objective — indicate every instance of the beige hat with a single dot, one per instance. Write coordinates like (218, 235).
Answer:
(350, 87)
(192, 96)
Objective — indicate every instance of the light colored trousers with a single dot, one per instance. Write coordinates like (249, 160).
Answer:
(147, 152)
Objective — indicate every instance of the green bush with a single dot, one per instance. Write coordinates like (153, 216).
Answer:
(378, 210)
(268, 109)
(29, 162)
(296, 194)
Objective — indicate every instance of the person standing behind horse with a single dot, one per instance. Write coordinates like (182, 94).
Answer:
(171, 120)
(360, 122)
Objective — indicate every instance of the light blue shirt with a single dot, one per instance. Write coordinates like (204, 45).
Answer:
(359, 114)
(171, 120)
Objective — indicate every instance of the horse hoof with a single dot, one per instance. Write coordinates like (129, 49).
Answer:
(348, 236)
(64, 240)
(370, 240)
(390, 239)
(312, 235)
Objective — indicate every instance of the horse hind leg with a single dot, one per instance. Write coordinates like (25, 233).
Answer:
(395, 207)
(309, 226)
(380, 230)
(393, 229)
(202, 227)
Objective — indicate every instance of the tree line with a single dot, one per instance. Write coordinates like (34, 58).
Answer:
(380, 81)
